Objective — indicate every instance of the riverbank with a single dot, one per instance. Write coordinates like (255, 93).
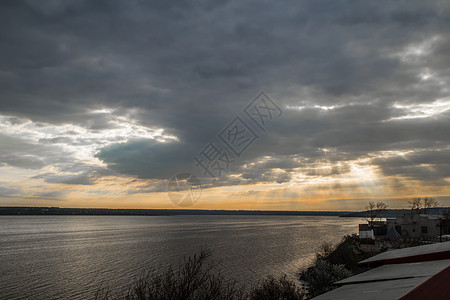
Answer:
(5, 210)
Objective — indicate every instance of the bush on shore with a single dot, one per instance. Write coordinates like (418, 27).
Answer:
(333, 263)
(276, 288)
(319, 278)
(194, 278)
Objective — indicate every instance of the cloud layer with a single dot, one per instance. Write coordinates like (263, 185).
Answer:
(92, 91)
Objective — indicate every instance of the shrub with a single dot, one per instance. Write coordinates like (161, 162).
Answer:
(272, 288)
(345, 253)
(333, 263)
(320, 277)
(194, 278)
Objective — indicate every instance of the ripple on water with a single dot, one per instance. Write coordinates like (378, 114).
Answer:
(48, 257)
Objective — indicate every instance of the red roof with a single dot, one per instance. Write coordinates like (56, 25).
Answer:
(430, 252)
(436, 288)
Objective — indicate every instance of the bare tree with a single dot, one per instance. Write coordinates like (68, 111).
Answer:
(196, 278)
(422, 204)
(429, 202)
(375, 209)
(415, 204)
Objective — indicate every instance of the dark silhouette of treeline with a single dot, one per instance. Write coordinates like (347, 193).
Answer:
(155, 212)
(393, 213)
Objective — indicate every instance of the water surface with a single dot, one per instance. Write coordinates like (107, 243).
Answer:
(69, 257)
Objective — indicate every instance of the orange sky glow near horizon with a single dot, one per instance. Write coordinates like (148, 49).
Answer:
(350, 191)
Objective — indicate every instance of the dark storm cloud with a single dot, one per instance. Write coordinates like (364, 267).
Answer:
(148, 158)
(422, 165)
(190, 67)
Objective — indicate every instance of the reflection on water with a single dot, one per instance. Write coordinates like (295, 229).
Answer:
(50, 257)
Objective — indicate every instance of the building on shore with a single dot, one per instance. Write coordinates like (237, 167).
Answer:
(411, 226)
(416, 226)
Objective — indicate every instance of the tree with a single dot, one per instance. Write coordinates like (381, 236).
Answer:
(320, 278)
(375, 209)
(195, 278)
(422, 204)
(273, 288)
(429, 202)
(415, 204)
(333, 263)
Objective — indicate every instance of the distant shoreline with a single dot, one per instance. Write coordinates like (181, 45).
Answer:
(5, 210)
(59, 211)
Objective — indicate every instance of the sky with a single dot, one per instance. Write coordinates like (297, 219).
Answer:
(271, 105)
